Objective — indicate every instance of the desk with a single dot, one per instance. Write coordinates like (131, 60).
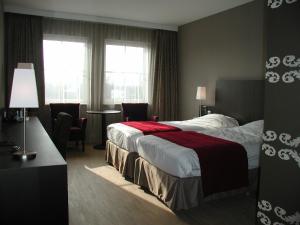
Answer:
(103, 124)
(32, 192)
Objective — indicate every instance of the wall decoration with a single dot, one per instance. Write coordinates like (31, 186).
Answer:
(279, 189)
(264, 205)
(284, 153)
(268, 150)
(290, 61)
(284, 138)
(263, 218)
(269, 135)
(281, 214)
(273, 4)
(291, 76)
(288, 140)
(273, 62)
(287, 154)
(272, 77)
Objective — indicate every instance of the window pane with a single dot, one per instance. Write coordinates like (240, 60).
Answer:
(114, 56)
(66, 74)
(134, 63)
(126, 74)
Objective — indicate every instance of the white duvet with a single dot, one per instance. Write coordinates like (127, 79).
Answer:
(125, 136)
(183, 162)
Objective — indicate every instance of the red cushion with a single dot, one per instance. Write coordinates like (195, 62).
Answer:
(75, 133)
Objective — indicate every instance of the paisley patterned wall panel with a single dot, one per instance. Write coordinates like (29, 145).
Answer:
(279, 192)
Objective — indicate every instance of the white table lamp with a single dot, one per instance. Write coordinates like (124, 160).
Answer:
(24, 95)
(201, 95)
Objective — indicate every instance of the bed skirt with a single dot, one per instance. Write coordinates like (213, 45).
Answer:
(121, 159)
(180, 193)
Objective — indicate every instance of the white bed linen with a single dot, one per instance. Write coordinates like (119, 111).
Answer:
(183, 162)
(126, 136)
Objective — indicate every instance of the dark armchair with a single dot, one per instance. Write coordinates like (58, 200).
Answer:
(77, 130)
(61, 132)
(136, 112)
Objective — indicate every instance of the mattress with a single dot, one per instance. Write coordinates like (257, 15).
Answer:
(183, 162)
(125, 136)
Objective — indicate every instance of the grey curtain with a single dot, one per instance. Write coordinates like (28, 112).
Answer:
(24, 43)
(2, 84)
(164, 75)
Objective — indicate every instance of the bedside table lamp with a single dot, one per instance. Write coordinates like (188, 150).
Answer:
(24, 95)
(201, 95)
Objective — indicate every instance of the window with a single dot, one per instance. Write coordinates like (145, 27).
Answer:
(66, 71)
(126, 73)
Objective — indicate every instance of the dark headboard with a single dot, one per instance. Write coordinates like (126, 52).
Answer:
(240, 99)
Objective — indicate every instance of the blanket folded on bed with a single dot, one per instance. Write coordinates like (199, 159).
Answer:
(150, 127)
(223, 163)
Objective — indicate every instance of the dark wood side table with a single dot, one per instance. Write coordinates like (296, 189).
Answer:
(103, 114)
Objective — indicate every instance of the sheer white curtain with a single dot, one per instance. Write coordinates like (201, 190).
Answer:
(67, 73)
(126, 72)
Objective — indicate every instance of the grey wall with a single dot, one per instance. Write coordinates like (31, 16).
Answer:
(228, 45)
(2, 81)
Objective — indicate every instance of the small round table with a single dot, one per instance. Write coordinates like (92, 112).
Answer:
(103, 114)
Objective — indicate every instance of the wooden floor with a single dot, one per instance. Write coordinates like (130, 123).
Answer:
(98, 195)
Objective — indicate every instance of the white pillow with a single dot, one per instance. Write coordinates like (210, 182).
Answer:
(218, 120)
(255, 128)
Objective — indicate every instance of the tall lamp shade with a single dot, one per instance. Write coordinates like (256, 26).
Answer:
(24, 95)
(200, 95)
(24, 91)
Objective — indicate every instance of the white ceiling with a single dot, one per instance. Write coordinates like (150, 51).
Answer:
(167, 13)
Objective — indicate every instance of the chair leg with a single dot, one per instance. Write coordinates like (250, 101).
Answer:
(83, 146)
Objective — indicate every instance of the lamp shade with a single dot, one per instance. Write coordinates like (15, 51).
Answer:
(201, 93)
(24, 91)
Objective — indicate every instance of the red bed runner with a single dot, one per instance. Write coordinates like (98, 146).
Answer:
(150, 127)
(224, 164)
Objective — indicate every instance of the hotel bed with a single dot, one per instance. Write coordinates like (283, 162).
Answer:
(241, 100)
(172, 172)
(121, 149)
